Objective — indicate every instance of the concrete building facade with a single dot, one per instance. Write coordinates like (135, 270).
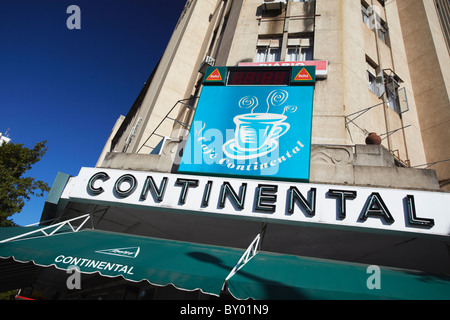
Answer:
(428, 64)
(374, 83)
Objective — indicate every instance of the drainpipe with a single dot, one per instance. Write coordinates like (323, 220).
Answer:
(284, 40)
(380, 64)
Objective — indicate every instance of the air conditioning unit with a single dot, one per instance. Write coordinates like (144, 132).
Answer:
(269, 5)
(208, 62)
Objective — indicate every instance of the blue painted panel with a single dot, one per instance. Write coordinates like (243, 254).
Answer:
(251, 131)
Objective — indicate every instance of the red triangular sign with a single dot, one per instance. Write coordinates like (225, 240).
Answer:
(303, 75)
(215, 76)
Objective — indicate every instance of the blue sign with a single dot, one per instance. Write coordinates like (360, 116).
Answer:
(251, 131)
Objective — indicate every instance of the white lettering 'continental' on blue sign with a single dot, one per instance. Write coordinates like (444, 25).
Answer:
(262, 131)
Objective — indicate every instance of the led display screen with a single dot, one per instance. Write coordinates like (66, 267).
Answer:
(259, 77)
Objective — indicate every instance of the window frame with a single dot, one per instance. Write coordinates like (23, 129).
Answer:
(372, 80)
(300, 49)
(268, 49)
(380, 26)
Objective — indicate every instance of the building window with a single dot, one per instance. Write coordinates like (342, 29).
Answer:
(380, 82)
(392, 97)
(382, 32)
(373, 83)
(373, 20)
(443, 10)
(366, 14)
(268, 55)
(300, 49)
(268, 50)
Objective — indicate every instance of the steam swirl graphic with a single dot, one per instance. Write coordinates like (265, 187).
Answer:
(248, 102)
(290, 109)
(276, 98)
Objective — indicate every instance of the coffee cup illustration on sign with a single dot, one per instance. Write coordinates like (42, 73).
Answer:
(257, 134)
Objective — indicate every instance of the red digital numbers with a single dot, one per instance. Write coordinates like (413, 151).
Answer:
(259, 77)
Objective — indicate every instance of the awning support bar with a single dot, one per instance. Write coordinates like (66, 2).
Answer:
(251, 251)
(58, 226)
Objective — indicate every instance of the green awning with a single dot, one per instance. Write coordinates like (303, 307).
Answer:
(275, 276)
(187, 266)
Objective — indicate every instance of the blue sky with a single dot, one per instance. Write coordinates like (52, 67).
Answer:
(69, 86)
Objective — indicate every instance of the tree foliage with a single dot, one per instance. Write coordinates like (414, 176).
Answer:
(15, 188)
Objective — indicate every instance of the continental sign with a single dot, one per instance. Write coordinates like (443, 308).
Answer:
(341, 207)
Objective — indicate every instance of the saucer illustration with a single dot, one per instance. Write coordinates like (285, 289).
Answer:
(231, 150)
